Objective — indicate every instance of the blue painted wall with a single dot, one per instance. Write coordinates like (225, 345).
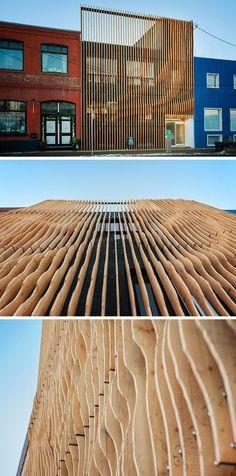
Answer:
(223, 97)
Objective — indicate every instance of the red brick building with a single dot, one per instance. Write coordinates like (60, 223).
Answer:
(40, 86)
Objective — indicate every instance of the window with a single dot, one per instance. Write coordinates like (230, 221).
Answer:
(234, 138)
(101, 69)
(213, 80)
(212, 119)
(12, 117)
(233, 119)
(54, 59)
(138, 71)
(11, 54)
(234, 81)
(211, 139)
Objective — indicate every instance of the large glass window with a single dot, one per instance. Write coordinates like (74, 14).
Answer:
(213, 80)
(233, 119)
(12, 117)
(212, 119)
(54, 59)
(11, 55)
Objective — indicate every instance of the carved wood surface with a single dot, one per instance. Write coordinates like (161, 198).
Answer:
(141, 397)
(139, 257)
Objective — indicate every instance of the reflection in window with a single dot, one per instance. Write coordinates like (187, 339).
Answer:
(54, 59)
(12, 117)
(233, 119)
(58, 107)
(11, 55)
(213, 119)
(211, 139)
(213, 80)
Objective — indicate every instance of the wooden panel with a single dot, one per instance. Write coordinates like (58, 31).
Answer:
(160, 406)
(140, 257)
(136, 70)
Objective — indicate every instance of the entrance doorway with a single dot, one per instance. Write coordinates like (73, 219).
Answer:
(58, 123)
(177, 129)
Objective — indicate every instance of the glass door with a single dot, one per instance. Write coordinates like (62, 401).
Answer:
(179, 133)
(50, 132)
(65, 130)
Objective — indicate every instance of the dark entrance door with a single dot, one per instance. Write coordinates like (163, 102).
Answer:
(58, 123)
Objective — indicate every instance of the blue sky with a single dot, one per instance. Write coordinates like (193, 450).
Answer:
(217, 18)
(25, 182)
(19, 358)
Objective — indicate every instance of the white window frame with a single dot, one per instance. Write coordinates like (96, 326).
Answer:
(234, 81)
(232, 109)
(213, 135)
(213, 130)
(217, 82)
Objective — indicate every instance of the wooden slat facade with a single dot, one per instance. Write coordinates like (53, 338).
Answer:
(136, 71)
(140, 398)
(136, 257)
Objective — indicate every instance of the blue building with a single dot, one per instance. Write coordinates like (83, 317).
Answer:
(215, 101)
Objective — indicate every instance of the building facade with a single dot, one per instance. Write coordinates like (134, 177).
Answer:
(131, 258)
(137, 80)
(141, 397)
(215, 101)
(39, 87)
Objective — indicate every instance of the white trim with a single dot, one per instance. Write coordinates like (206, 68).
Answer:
(232, 109)
(213, 135)
(210, 109)
(217, 80)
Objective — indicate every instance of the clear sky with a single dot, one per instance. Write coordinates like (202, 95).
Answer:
(25, 182)
(19, 359)
(217, 18)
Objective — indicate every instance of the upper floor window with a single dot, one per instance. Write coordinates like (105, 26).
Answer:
(212, 119)
(234, 81)
(54, 59)
(140, 72)
(12, 117)
(213, 80)
(11, 54)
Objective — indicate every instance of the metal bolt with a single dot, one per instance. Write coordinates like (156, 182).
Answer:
(168, 468)
(224, 394)
(180, 451)
(209, 413)
(233, 445)
(216, 463)
(194, 433)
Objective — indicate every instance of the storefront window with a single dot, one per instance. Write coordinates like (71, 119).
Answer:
(11, 54)
(12, 117)
(54, 59)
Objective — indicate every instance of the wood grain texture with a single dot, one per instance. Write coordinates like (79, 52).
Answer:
(141, 397)
(137, 257)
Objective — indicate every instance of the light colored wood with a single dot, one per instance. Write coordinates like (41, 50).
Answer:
(138, 257)
(140, 397)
